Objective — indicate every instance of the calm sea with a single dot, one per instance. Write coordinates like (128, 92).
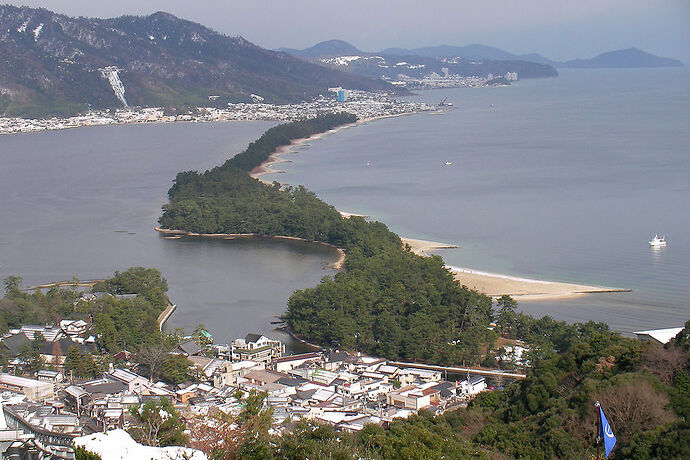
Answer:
(563, 179)
(84, 202)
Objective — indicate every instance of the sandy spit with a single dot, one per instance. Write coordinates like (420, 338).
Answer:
(496, 285)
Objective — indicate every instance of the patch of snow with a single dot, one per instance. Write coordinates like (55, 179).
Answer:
(341, 60)
(110, 73)
(22, 28)
(165, 415)
(119, 445)
(37, 31)
(401, 63)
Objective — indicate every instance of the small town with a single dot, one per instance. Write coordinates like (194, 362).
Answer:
(365, 105)
(46, 410)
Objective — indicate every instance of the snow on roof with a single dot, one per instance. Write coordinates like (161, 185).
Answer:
(370, 360)
(118, 445)
(323, 394)
(661, 335)
(21, 381)
(125, 375)
(386, 369)
(332, 417)
(75, 391)
(286, 359)
(245, 365)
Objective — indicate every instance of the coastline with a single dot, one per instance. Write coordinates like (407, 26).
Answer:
(337, 265)
(496, 285)
(277, 157)
(492, 284)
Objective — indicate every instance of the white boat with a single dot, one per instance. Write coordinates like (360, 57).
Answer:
(657, 242)
(448, 163)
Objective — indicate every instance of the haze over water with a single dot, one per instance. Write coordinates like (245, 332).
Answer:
(562, 179)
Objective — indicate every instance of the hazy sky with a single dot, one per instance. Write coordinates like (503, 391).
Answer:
(558, 29)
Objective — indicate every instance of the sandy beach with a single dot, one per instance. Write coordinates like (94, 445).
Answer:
(496, 285)
(491, 284)
(267, 167)
(423, 247)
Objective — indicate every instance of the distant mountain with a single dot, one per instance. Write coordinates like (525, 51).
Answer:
(627, 58)
(474, 52)
(52, 63)
(395, 68)
(328, 48)
(396, 63)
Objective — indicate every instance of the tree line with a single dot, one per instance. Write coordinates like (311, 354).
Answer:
(118, 323)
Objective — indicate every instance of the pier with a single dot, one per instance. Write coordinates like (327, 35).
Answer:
(165, 315)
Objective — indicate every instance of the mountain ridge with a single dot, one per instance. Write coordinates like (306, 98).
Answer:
(623, 58)
(56, 64)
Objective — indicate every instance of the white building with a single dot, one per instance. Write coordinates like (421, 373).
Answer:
(473, 385)
(660, 336)
(35, 390)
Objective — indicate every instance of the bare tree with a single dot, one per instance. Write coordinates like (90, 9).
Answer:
(152, 356)
(635, 406)
(663, 362)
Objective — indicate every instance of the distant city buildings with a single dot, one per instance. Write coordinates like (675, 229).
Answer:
(361, 103)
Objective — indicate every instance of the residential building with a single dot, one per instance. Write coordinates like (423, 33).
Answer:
(256, 347)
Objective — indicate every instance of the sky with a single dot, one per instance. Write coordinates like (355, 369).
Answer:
(557, 29)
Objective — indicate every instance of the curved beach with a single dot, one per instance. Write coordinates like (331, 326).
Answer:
(491, 284)
(267, 167)
(496, 285)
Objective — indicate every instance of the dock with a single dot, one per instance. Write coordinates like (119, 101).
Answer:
(166, 314)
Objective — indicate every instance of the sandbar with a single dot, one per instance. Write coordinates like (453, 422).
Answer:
(491, 284)
(267, 167)
(424, 247)
(497, 285)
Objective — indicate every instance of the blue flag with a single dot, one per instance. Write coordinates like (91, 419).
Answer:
(606, 434)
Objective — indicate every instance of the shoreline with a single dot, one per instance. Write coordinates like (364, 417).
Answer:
(496, 285)
(492, 284)
(169, 233)
(277, 157)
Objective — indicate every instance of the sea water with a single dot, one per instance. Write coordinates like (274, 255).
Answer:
(563, 179)
(84, 202)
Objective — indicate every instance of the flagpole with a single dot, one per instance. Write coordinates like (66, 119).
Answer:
(597, 438)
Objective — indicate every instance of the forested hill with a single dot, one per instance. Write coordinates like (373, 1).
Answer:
(53, 63)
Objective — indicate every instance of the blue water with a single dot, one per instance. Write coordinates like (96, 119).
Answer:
(562, 179)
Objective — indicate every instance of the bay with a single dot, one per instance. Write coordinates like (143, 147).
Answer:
(84, 202)
(562, 179)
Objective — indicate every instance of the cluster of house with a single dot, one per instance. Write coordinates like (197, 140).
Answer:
(361, 103)
(334, 387)
(52, 341)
